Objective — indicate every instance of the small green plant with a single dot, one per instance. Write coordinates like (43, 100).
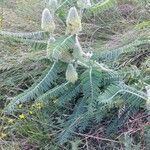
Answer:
(82, 87)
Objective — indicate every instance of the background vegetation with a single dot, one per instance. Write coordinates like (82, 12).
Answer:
(117, 32)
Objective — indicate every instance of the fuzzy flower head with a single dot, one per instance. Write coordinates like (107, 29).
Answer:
(73, 22)
(47, 21)
(148, 91)
(148, 100)
(148, 97)
(51, 40)
(84, 4)
(71, 74)
(56, 55)
(77, 52)
(53, 4)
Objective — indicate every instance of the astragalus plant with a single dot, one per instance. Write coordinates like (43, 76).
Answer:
(87, 89)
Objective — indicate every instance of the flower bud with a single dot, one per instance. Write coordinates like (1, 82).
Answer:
(73, 22)
(53, 4)
(71, 74)
(77, 52)
(56, 55)
(148, 91)
(84, 4)
(148, 101)
(47, 21)
(51, 40)
(148, 96)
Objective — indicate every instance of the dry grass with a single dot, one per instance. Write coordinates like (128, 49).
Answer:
(19, 67)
